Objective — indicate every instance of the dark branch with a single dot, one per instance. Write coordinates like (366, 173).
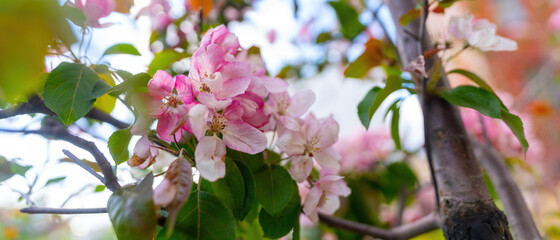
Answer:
(36, 105)
(42, 210)
(60, 132)
(518, 214)
(426, 224)
(83, 165)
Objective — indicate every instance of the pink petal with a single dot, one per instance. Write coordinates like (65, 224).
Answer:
(165, 126)
(300, 103)
(210, 101)
(275, 85)
(301, 167)
(291, 143)
(236, 79)
(330, 204)
(161, 85)
(141, 125)
(184, 89)
(209, 155)
(142, 147)
(289, 122)
(311, 202)
(234, 111)
(198, 119)
(147, 105)
(243, 137)
(328, 133)
(328, 158)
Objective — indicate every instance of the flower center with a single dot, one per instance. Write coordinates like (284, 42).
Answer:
(171, 101)
(310, 147)
(282, 104)
(217, 124)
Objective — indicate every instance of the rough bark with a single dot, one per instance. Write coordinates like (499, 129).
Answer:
(466, 209)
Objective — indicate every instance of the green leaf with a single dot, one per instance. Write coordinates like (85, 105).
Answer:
(135, 83)
(132, 211)
(373, 55)
(99, 188)
(281, 224)
(475, 78)
(253, 162)
(118, 145)
(446, 3)
(231, 189)
(105, 103)
(516, 125)
(71, 90)
(19, 169)
(410, 16)
(204, 217)
(55, 180)
(393, 84)
(123, 74)
(249, 199)
(350, 25)
(476, 98)
(363, 106)
(163, 60)
(122, 48)
(5, 169)
(75, 15)
(274, 188)
(395, 126)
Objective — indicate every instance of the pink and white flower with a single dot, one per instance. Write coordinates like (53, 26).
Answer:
(167, 100)
(214, 132)
(312, 142)
(94, 10)
(286, 110)
(223, 38)
(480, 34)
(324, 195)
(144, 154)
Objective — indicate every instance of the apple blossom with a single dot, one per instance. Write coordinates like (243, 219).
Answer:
(480, 34)
(167, 99)
(313, 141)
(94, 10)
(323, 196)
(144, 155)
(214, 132)
(223, 38)
(286, 110)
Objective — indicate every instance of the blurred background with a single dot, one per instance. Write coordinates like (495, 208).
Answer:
(313, 44)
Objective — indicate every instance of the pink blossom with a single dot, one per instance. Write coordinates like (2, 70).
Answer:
(158, 11)
(216, 79)
(168, 100)
(249, 108)
(554, 20)
(223, 38)
(313, 141)
(94, 10)
(286, 110)
(144, 155)
(324, 195)
(480, 34)
(214, 132)
(361, 150)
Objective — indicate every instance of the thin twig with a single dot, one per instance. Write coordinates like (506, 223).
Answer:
(423, 225)
(43, 210)
(83, 165)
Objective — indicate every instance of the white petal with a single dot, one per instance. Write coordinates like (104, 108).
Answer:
(300, 103)
(209, 156)
(328, 158)
(243, 137)
(301, 168)
(312, 200)
(330, 204)
(198, 117)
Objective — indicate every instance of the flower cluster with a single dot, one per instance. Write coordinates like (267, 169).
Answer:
(228, 101)
(480, 34)
(94, 10)
(363, 149)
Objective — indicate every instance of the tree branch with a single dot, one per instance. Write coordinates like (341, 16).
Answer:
(518, 214)
(43, 210)
(36, 105)
(83, 165)
(58, 131)
(423, 225)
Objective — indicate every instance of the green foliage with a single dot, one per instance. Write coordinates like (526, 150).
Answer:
(393, 84)
(122, 48)
(132, 211)
(350, 25)
(231, 189)
(446, 3)
(75, 15)
(364, 105)
(250, 189)
(105, 103)
(253, 162)
(163, 60)
(409, 16)
(373, 55)
(203, 217)
(28, 28)
(5, 169)
(99, 188)
(283, 222)
(395, 109)
(19, 169)
(473, 97)
(71, 90)
(55, 180)
(118, 145)
(274, 188)
(134, 83)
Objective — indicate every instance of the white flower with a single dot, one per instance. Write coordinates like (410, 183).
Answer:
(480, 34)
